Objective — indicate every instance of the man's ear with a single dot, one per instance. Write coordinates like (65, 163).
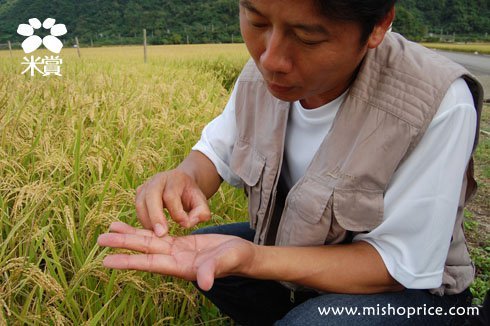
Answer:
(380, 29)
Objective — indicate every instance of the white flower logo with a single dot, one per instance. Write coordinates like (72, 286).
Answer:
(33, 42)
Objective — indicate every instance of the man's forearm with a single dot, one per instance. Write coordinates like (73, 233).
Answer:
(202, 170)
(351, 268)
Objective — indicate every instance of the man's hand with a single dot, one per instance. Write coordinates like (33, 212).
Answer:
(195, 257)
(183, 192)
(349, 268)
(178, 193)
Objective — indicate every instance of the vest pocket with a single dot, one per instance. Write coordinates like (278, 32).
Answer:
(307, 218)
(249, 165)
(358, 210)
(310, 199)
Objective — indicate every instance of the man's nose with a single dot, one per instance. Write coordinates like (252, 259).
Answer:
(275, 58)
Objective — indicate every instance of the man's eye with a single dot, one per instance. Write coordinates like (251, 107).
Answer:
(311, 43)
(257, 25)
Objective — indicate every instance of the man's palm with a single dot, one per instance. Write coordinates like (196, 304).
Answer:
(195, 257)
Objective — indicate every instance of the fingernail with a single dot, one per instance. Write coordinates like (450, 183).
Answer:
(159, 230)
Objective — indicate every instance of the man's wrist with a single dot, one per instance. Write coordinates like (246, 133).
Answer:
(183, 170)
(251, 266)
(202, 172)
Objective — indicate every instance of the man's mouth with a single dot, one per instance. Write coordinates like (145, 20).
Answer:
(277, 88)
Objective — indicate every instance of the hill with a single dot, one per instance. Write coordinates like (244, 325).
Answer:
(119, 21)
(210, 21)
(418, 18)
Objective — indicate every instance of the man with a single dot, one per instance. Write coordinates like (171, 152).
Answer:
(352, 145)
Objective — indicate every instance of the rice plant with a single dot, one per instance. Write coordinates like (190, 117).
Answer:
(73, 149)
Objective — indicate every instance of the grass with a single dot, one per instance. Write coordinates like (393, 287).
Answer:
(482, 48)
(73, 150)
(478, 212)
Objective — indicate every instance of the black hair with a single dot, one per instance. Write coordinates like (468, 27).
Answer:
(366, 12)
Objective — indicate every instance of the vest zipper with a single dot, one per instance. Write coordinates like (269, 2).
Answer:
(272, 201)
(291, 296)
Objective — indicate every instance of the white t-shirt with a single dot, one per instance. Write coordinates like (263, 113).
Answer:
(421, 201)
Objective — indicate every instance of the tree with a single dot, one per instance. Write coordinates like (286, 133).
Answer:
(408, 25)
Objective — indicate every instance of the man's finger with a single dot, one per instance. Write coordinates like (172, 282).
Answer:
(121, 227)
(148, 245)
(205, 274)
(155, 205)
(173, 202)
(141, 209)
(199, 207)
(199, 214)
(161, 264)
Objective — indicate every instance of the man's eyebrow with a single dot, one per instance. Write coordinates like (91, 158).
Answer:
(313, 29)
(249, 6)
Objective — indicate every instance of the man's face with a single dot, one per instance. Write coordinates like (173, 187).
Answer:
(301, 54)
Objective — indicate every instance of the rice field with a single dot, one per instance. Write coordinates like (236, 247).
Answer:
(482, 48)
(73, 149)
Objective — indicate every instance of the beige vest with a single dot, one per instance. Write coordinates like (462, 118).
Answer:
(398, 90)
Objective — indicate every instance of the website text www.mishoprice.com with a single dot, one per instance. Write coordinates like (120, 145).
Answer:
(389, 310)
